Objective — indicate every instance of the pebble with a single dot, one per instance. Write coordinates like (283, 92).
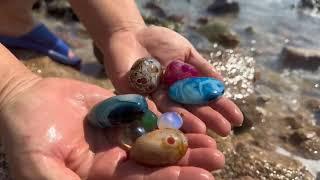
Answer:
(178, 70)
(118, 110)
(170, 120)
(197, 90)
(145, 74)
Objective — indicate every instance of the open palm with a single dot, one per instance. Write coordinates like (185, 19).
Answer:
(124, 48)
(47, 137)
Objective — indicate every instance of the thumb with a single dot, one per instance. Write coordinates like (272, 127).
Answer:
(196, 59)
(122, 52)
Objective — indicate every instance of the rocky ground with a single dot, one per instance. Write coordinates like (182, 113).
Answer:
(280, 138)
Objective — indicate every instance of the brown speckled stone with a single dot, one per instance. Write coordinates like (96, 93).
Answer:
(144, 76)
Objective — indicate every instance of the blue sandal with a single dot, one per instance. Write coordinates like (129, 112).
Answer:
(42, 40)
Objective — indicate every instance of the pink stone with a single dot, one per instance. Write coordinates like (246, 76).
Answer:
(178, 70)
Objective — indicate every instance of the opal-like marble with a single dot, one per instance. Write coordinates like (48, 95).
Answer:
(145, 74)
(170, 120)
(196, 90)
(160, 147)
(118, 110)
(178, 70)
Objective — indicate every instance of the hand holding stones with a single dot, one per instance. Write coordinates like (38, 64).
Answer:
(138, 126)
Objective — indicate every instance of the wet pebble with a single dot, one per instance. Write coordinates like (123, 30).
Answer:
(198, 90)
(145, 74)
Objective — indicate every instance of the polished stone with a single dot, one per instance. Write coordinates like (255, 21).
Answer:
(149, 121)
(178, 70)
(170, 120)
(197, 90)
(118, 110)
(144, 75)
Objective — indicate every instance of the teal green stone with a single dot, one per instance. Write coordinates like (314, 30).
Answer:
(118, 110)
(149, 121)
(196, 90)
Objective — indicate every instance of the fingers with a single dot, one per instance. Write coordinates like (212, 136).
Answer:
(191, 123)
(207, 158)
(229, 110)
(203, 65)
(152, 106)
(200, 141)
(212, 119)
(179, 173)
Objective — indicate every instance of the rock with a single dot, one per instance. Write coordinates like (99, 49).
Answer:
(144, 75)
(262, 99)
(313, 104)
(249, 30)
(153, 20)
(203, 20)
(59, 9)
(178, 70)
(160, 147)
(295, 57)
(175, 18)
(197, 90)
(220, 33)
(307, 141)
(224, 6)
(156, 8)
(170, 120)
(310, 4)
(118, 110)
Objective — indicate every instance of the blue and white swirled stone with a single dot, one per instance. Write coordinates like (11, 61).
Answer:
(118, 110)
(196, 90)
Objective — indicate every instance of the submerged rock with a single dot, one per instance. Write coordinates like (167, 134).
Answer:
(308, 143)
(58, 8)
(176, 26)
(310, 4)
(218, 32)
(295, 57)
(224, 6)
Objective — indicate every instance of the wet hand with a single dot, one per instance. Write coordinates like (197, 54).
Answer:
(46, 136)
(125, 47)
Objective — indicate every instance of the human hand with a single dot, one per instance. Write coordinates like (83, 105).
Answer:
(46, 136)
(125, 46)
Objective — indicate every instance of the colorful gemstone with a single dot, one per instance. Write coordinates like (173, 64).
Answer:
(130, 133)
(159, 147)
(170, 120)
(118, 110)
(149, 121)
(145, 74)
(196, 90)
(178, 70)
